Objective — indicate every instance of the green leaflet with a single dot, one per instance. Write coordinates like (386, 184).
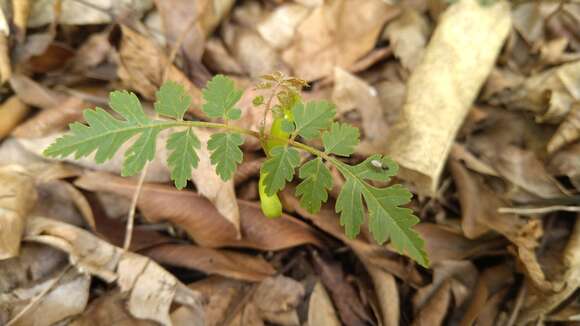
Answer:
(313, 190)
(341, 139)
(183, 156)
(105, 134)
(172, 100)
(279, 168)
(312, 117)
(221, 95)
(386, 218)
(226, 153)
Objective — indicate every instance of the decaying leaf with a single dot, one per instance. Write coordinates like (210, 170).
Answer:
(421, 140)
(568, 131)
(152, 289)
(320, 309)
(326, 38)
(202, 221)
(12, 111)
(408, 37)
(17, 197)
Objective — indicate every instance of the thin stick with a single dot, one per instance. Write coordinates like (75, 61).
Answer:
(519, 302)
(133, 208)
(36, 299)
(537, 210)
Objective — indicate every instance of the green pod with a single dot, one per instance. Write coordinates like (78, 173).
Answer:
(270, 205)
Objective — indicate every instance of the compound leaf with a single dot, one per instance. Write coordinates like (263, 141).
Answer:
(312, 117)
(387, 220)
(341, 139)
(226, 153)
(221, 95)
(279, 168)
(142, 151)
(183, 157)
(172, 100)
(313, 190)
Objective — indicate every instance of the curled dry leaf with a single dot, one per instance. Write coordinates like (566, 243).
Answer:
(202, 221)
(277, 298)
(387, 295)
(211, 261)
(35, 94)
(408, 37)
(336, 34)
(446, 87)
(320, 308)
(109, 309)
(17, 198)
(12, 111)
(279, 26)
(152, 289)
(568, 132)
(67, 296)
(217, 58)
(435, 309)
(566, 162)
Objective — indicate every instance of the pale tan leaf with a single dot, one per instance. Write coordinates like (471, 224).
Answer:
(320, 309)
(17, 197)
(568, 132)
(458, 59)
(387, 293)
(279, 26)
(12, 112)
(408, 37)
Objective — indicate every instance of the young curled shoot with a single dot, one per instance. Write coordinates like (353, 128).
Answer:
(293, 121)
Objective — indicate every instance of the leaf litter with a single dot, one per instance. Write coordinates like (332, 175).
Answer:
(478, 103)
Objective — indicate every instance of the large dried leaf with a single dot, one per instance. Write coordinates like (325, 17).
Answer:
(320, 309)
(202, 221)
(17, 197)
(458, 59)
(336, 34)
(211, 261)
(408, 37)
(12, 112)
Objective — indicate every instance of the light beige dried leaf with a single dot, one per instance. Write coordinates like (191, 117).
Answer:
(408, 37)
(458, 59)
(20, 12)
(276, 299)
(568, 131)
(92, 52)
(68, 297)
(78, 13)
(320, 309)
(253, 53)
(351, 93)
(217, 58)
(152, 289)
(17, 197)
(434, 311)
(279, 26)
(12, 112)
(336, 34)
(566, 162)
(35, 94)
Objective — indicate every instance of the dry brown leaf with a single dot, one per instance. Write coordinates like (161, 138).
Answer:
(12, 112)
(320, 309)
(17, 197)
(211, 261)
(347, 302)
(276, 299)
(336, 34)
(387, 295)
(109, 309)
(92, 52)
(568, 132)
(202, 221)
(523, 169)
(35, 94)
(434, 311)
(408, 37)
(458, 59)
(217, 58)
(567, 162)
(529, 20)
(52, 119)
(152, 289)
(142, 67)
(84, 13)
(279, 26)
(254, 54)
(543, 303)
(351, 93)
(5, 63)
(68, 297)
(20, 12)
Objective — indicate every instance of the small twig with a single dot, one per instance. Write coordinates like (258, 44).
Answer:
(537, 210)
(41, 295)
(133, 208)
(518, 305)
